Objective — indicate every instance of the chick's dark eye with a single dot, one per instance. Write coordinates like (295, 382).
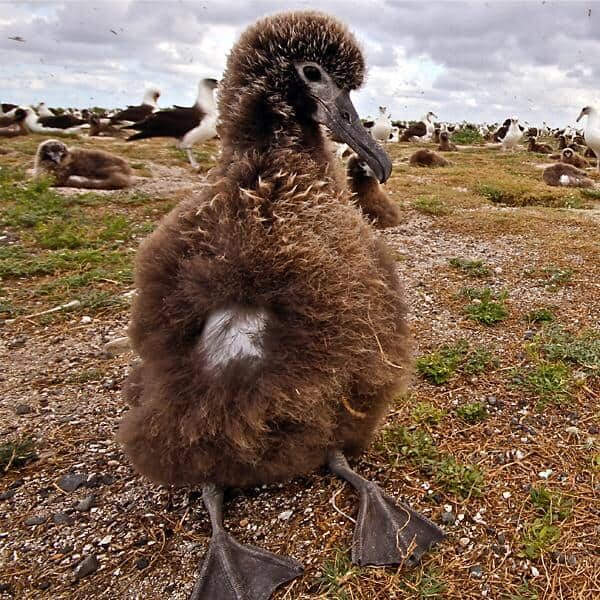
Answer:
(312, 73)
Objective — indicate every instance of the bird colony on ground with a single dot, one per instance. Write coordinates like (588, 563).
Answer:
(255, 379)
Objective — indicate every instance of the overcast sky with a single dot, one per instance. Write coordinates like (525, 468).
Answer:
(479, 61)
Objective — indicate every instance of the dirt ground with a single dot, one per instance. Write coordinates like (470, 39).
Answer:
(497, 440)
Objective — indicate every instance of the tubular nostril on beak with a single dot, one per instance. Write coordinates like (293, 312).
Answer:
(346, 116)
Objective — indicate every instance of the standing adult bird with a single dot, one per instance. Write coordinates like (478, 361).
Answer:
(269, 319)
(513, 135)
(133, 114)
(382, 127)
(190, 125)
(591, 133)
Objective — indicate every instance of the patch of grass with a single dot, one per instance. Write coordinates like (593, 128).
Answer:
(487, 307)
(438, 367)
(477, 361)
(427, 585)
(590, 193)
(431, 206)
(467, 136)
(21, 264)
(549, 382)
(551, 276)
(95, 300)
(63, 285)
(472, 412)
(582, 349)
(516, 193)
(335, 575)
(416, 446)
(86, 376)
(524, 592)
(59, 234)
(426, 413)
(16, 453)
(473, 268)
(115, 227)
(408, 444)
(31, 203)
(457, 478)
(552, 505)
(539, 315)
(539, 538)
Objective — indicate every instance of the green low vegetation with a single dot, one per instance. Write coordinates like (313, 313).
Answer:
(487, 307)
(440, 366)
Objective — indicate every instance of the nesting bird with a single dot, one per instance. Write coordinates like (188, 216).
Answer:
(591, 133)
(427, 158)
(566, 175)
(370, 196)
(189, 125)
(81, 168)
(421, 130)
(47, 126)
(534, 146)
(261, 359)
(445, 144)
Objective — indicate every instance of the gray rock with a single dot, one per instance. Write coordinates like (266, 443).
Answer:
(85, 504)
(62, 518)
(86, 567)
(7, 495)
(476, 571)
(529, 335)
(448, 518)
(35, 520)
(23, 409)
(142, 563)
(72, 481)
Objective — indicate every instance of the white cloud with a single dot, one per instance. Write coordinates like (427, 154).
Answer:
(474, 61)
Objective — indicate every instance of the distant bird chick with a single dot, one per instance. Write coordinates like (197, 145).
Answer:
(445, 144)
(81, 168)
(369, 194)
(534, 146)
(570, 157)
(565, 175)
(427, 158)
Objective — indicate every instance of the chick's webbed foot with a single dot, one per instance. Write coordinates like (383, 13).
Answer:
(386, 533)
(233, 571)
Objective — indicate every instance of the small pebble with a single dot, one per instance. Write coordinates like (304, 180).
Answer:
(545, 474)
(285, 515)
(476, 572)
(71, 481)
(506, 495)
(36, 520)
(23, 409)
(7, 495)
(142, 563)
(85, 320)
(464, 541)
(85, 504)
(534, 572)
(61, 518)
(86, 567)
(448, 518)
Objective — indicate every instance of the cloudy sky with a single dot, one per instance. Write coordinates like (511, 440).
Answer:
(479, 61)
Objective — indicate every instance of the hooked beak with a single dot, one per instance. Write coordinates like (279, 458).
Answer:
(581, 115)
(338, 113)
